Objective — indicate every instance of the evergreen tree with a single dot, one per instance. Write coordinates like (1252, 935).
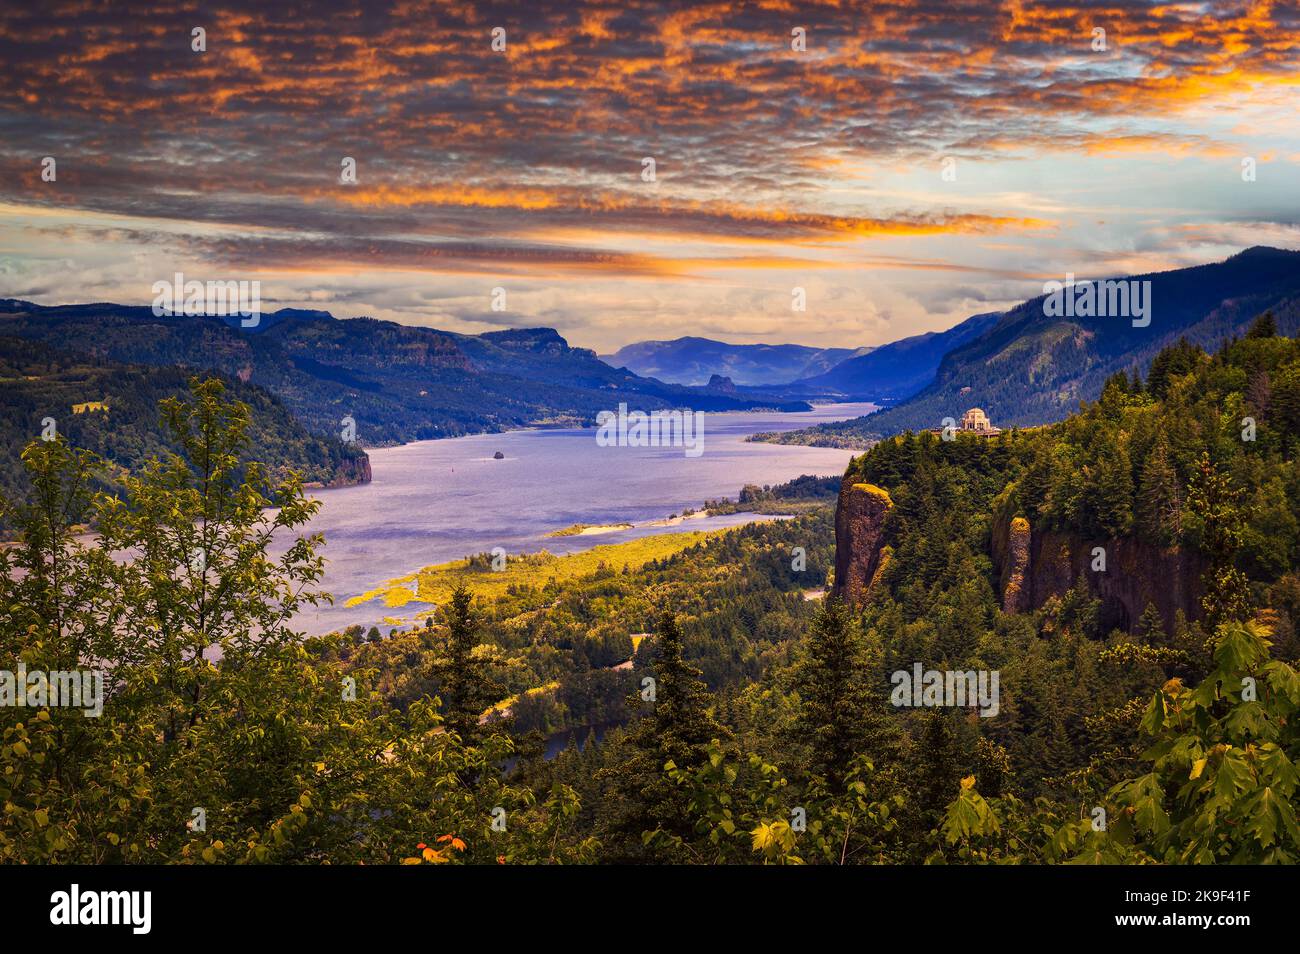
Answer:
(1160, 497)
(1151, 625)
(1178, 359)
(839, 715)
(465, 684)
(1265, 326)
(642, 798)
(1114, 501)
(936, 766)
(1215, 505)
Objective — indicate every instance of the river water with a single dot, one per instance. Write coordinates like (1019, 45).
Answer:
(435, 501)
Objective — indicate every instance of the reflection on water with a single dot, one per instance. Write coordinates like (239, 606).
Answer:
(435, 501)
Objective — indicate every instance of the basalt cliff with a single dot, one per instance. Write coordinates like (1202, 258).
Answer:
(1032, 566)
(860, 553)
(1127, 575)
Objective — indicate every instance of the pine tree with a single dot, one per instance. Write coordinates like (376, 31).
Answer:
(839, 715)
(642, 798)
(1216, 506)
(936, 766)
(1265, 326)
(1151, 625)
(1160, 498)
(1114, 503)
(466, 687)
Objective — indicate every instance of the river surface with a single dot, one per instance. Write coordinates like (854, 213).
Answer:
(436, 501)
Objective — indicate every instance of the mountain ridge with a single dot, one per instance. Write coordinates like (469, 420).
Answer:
(397, 382)
(1031, 368)
(692, 359)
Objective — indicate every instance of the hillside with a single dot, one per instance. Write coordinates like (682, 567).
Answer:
(112, 409)
(1030, 368)
(899, 369)
(397, 382)
(694, 360)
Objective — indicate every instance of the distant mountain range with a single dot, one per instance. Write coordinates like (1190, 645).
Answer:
(899, 369)
(696, 360)
(401, 383)
(1027, 366)
(397, 382)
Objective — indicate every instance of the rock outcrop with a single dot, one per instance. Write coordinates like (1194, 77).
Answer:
(1037, 565)
(1015, 594)
(350, 472)
(859, 530)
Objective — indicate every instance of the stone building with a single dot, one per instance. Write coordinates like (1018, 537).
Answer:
(975, 421)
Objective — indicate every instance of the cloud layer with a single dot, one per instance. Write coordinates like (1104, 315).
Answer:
(824, 166)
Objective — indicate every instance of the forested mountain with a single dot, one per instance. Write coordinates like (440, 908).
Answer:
(397, 382)
(757, 724)
(112, 409)
(899, 369)
(1028, 367)
(694, 360)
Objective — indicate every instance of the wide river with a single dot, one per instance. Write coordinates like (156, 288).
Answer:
(435, 501)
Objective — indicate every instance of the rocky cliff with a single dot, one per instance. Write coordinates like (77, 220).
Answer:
(1032, 565)
(349, 472)
(860, 554)
(1037, 565)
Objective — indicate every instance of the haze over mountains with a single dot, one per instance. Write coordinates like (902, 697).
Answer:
(402, 383)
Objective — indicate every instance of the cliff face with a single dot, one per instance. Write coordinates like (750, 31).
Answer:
(859, 527)
(1037, 565)
(1015, 591)
(349, 472)
(354, 471)
(1033, 565)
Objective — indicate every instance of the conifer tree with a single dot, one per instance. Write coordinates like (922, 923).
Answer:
(839, 714)
(1160, 497)
(1216, 506)
(642, 798)
(1265, 326)
(466, 687)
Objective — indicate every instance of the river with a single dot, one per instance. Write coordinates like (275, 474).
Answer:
(435, 501)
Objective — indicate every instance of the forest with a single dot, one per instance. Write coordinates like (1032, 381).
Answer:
(112, 409)
(754, 724)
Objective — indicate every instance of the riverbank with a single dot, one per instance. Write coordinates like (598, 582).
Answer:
(435, 502)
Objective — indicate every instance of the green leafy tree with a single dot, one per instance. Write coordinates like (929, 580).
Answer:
(1222, 777)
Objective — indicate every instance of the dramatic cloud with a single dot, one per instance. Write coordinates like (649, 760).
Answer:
(913, 159)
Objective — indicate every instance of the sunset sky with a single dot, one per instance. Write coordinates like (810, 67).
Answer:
(523, 168)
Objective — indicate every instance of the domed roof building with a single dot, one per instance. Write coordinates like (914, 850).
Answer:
(975, 421)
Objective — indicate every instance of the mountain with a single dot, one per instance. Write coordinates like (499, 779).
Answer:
(1030, 367)
(112, 409)
(695, 360)
(899, 369)
(397, 382)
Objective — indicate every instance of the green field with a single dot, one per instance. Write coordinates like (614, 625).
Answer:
(434, 584)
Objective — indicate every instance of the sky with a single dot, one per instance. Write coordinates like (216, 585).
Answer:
(905, 164)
